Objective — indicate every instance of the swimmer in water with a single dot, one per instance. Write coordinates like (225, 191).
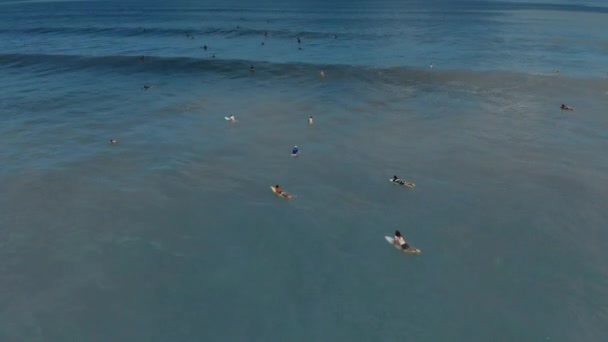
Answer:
(113, 141)
(310, 121)
(251, 68)
(322, 73)
(146, 87)
(205, 47)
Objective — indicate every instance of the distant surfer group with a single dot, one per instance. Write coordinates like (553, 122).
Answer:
(398, 240)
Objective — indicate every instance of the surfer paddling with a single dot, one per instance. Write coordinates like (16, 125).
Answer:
(564, 107)
(279, 192)
(397, 180)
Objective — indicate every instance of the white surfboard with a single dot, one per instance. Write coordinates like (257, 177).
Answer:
(410, 250)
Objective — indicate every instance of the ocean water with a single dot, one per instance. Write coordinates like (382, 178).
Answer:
(172, 234)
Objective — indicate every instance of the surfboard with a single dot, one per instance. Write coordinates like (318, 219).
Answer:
(408, 184)
(295, 154)
(410, 250)
(282, 194)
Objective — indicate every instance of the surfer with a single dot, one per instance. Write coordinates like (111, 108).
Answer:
(113, 141)
(295, 151)
(251, 68)
(399, 240)
(146, 87)
(205, 47)
(310, 121)
(322, 73)
(397, 180)
(563, 106)
(278, 189)
(231, 118)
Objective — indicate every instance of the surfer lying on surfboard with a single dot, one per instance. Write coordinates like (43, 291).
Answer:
(399, 240)
(401, 182)
(279, 192)
(563, 106)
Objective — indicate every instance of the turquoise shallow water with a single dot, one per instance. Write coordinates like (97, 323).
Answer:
(173, 234)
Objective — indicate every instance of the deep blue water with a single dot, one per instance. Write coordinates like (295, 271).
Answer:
(173, 234)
